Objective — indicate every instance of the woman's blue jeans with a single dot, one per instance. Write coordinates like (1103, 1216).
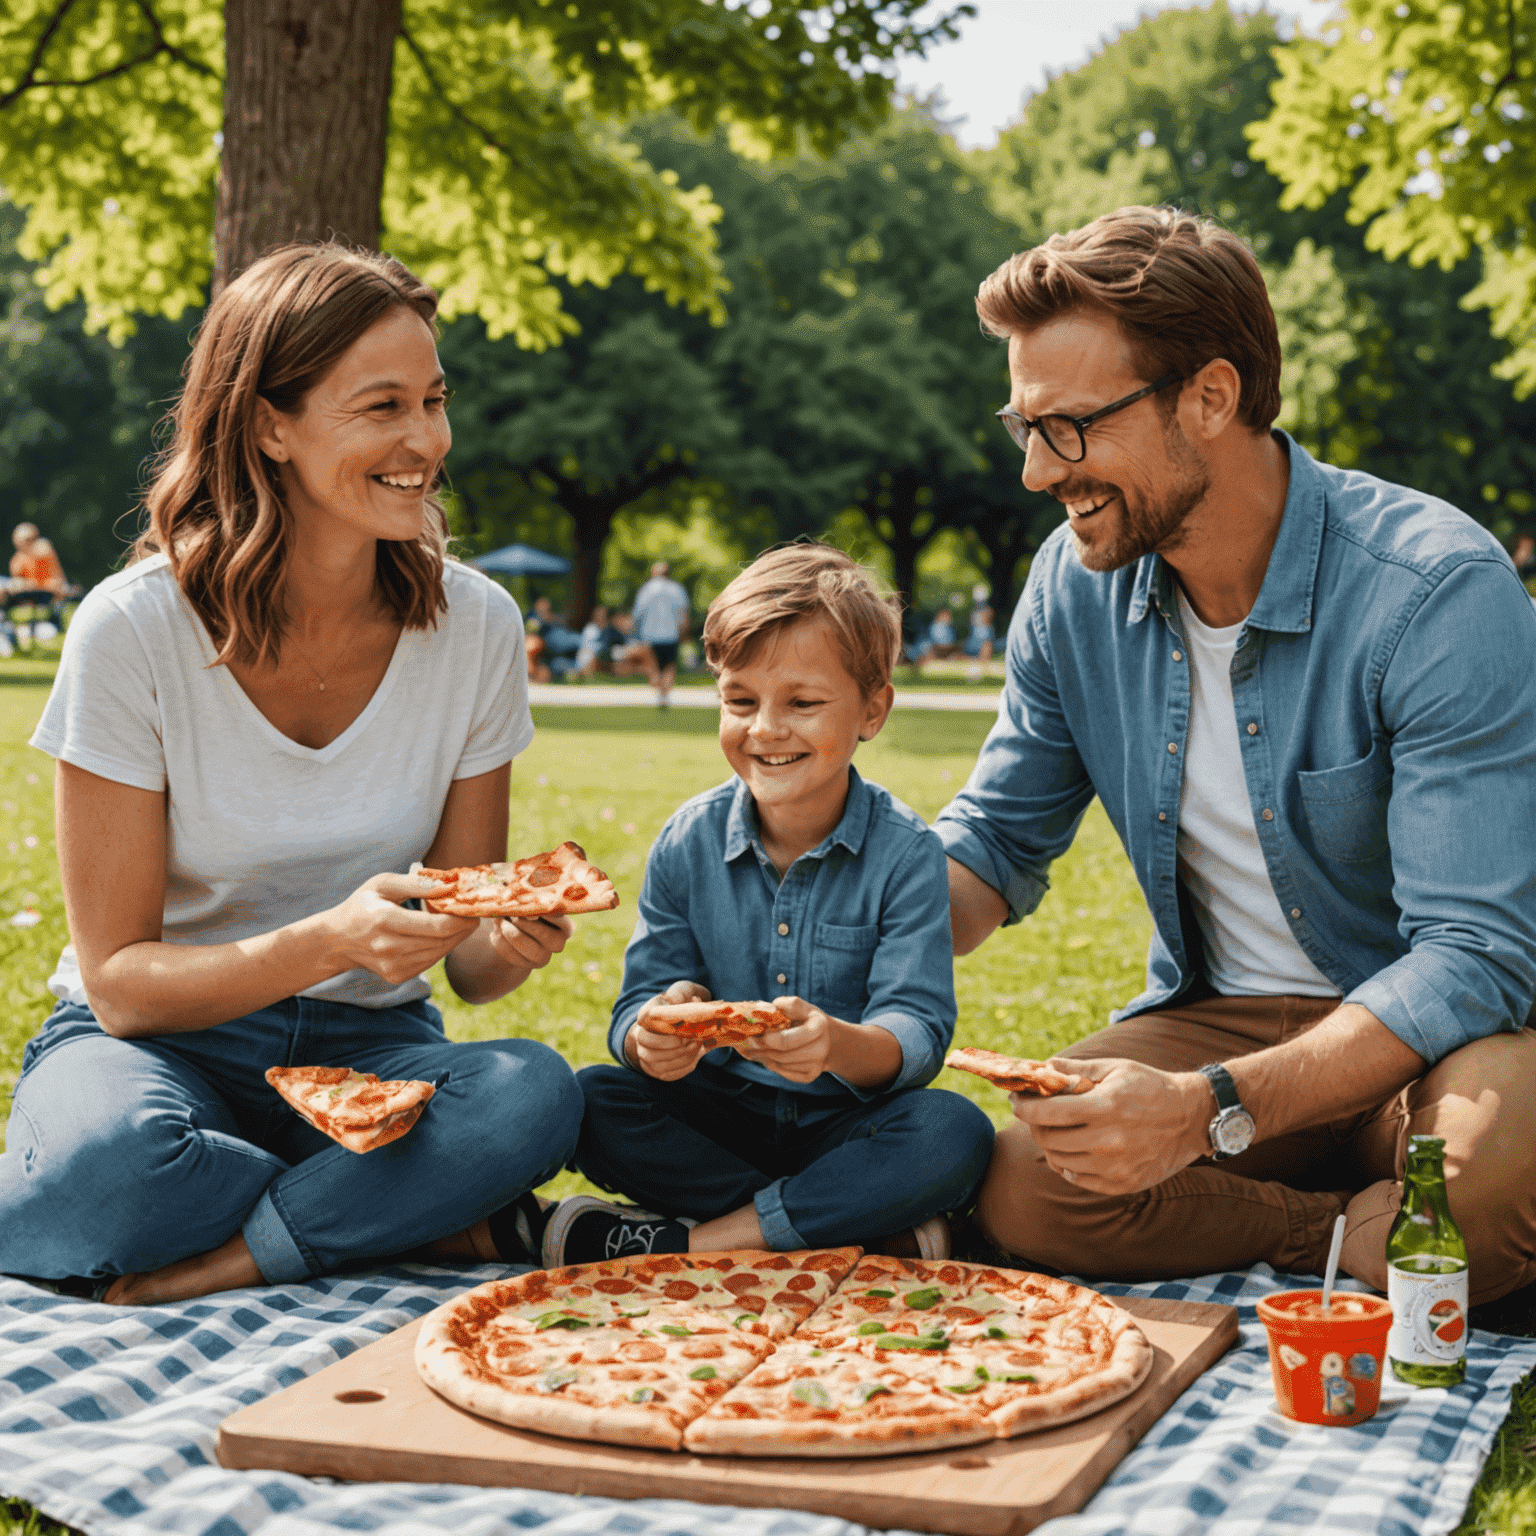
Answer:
(126, 1155)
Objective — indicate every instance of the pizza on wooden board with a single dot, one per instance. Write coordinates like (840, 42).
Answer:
(723, 1023)
(542, 885)
(1014, 1074)
(816, 1353)
(352, 1108)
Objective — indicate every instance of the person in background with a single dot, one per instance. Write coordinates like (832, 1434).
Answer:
(35, 565)
(596, 643)
(979, 642)
(628, 657)
(661, 622)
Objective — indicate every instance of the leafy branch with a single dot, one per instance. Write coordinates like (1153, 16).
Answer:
(455, 110)
(160, 44)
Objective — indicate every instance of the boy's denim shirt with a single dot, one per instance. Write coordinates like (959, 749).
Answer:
(858, 927)
(1385, 691)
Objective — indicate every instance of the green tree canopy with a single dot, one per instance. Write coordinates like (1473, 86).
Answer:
(508, 162)
(1424, 116)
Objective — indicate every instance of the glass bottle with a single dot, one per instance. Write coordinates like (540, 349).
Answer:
(1427, 1275)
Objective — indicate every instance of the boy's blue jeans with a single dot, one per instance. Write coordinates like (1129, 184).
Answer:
(126, 1155)
(821, 1172)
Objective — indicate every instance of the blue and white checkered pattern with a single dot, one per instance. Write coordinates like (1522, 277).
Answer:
(108, 1418)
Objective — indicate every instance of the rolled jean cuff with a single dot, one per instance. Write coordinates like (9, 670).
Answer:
(778, 1230)
(280, 1259)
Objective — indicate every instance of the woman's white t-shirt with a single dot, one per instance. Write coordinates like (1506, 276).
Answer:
(261, 831)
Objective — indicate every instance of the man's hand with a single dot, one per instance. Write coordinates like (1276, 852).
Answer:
(800, 1054)
(529, 943)
(665, 1057)
(1134, 1128)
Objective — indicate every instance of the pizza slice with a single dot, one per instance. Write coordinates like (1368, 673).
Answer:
(543, 885)
(352, 1108)
(806, 1401)
(1014, 1074)
(622, 1381)
(722, 1023)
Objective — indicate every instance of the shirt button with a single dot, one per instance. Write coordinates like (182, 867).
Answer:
(783, 930)
(1295, 911)
(1162, 815)
(1253, 730)
(1178, 655)
(1267, 814)
(1173, 746)
(782, 978)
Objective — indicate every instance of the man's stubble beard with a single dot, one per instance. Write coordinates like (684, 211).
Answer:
(1158, 526)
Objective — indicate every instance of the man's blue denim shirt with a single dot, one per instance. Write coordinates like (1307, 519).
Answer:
(858, 927)
(1385, 690)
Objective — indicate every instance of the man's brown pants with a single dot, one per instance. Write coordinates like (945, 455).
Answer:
(1277, 1201)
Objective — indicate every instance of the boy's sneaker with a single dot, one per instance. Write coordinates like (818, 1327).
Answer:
(932, 1238)
(584, 1229)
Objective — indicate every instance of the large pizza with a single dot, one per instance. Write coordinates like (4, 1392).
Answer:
(824, 1352)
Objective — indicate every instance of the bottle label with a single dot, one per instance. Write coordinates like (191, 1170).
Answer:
(1429, 1315)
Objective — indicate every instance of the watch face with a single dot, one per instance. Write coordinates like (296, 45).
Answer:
(1232, 1131)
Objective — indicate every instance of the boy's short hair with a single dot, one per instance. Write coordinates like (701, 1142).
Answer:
(807, 581)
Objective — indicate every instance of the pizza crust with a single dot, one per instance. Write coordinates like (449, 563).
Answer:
(1015, 1074)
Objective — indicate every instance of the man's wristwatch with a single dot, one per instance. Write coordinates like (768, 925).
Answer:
(1231, 1131)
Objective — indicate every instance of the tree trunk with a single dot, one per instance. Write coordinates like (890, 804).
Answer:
(306, 110)
(1007, 539)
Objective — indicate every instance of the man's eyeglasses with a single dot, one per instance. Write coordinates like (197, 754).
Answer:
(1064, 434)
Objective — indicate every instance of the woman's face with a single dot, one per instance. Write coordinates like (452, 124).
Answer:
(364, 450)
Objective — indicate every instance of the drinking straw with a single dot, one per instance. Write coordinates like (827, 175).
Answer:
(1332, 1272)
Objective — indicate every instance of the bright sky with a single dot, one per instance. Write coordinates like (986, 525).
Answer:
(1005, 53)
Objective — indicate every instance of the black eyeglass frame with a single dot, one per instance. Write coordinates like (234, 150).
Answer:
(1008, 416)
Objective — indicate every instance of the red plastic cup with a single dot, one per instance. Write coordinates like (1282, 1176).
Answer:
(1327, 1366)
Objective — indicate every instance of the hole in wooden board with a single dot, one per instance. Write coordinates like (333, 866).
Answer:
(360, 1395)
(969, 1463)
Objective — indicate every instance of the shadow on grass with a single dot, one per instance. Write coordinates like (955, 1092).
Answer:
(923, 733)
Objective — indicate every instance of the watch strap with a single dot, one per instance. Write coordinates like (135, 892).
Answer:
(1221, 1085)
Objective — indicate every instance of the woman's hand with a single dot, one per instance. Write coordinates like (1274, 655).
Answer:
(528, 943)
(371, 931)
(665, 1057)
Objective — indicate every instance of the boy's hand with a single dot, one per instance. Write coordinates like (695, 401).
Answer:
(665, 1057)
(800, 1054)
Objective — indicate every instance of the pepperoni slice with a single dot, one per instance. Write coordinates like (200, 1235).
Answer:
(870, 1303)
(575, 893)
(800, 1283)
(740, 1410)
(793, 1300)
(822, 1261)
(867, 1272)
(751, 1303)
(702, 1349)
(778, 1261)
(950, 1275)
(642, 1349)
(737, 1285)
(680, 1290)
(963, 1314)
(543, 876)
(614, 1286)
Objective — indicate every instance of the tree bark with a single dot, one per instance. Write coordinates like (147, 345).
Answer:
(306, 112)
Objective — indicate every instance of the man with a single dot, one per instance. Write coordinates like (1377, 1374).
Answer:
(661, 624)
(1289, 686)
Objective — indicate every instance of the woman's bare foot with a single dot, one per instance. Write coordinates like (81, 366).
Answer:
(229, 1267)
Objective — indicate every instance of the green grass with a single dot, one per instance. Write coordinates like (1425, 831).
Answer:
(609, 778)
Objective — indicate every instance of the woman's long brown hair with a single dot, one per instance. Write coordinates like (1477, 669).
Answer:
(215, 505)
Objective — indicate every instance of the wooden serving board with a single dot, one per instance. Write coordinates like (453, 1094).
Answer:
(370, 1418)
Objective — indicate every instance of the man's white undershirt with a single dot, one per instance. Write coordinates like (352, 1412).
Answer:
(1249, 949)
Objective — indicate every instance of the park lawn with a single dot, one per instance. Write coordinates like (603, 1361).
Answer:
(609, 778)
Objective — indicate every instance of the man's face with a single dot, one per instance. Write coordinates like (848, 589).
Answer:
(1141, 476)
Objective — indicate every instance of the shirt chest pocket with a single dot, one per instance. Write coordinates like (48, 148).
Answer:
(840, 961)
(1347, 807)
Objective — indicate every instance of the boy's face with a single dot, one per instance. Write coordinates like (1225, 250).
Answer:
(791, 717)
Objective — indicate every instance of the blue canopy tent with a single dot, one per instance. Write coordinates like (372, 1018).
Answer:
(522, 560)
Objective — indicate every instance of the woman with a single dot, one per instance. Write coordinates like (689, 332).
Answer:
(259, 725)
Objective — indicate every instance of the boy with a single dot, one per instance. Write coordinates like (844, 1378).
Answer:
(800, 882)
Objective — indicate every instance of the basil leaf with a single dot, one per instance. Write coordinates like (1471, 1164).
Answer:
(560, 1320)
(552, 1381)
(642, 1394)
(996, 1333)
(965, 1386)
(641, 1313)
(921, 1301)
(746, 1317)
(676, 1331)
(869, 1389)
(1021, 1377)
(870, 1327)
(880, 1293)
(812, 1393)
(702, 1373)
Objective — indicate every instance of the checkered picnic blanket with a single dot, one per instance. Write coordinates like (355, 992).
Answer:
(108, 1418)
